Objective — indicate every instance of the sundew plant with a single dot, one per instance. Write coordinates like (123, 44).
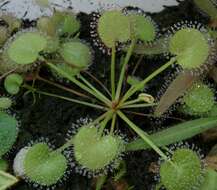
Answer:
(97, 147)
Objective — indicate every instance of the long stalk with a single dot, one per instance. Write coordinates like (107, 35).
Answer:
(78, 83)
(142, 134)
(113, 71)
(138, 105)
(62, 87)
(126, 60)
(137, 87)
(65, 98)
(70, 142)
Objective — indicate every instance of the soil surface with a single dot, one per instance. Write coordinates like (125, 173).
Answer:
(52, 118)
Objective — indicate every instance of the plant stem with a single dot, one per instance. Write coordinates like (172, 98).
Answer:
(99, 82)
(113, 71)
(126, 60)
(137, 64)
(137, 87)
(138, 105)
(62, 87)
(65, 98)
(70, 142)
(114, 117)
(93, 88)
(78, 83)
(142, 134)
(104, 122)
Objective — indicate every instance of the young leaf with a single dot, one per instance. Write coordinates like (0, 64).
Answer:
(12, 83)
(76, 54)
(26, 47)
(190, 47)
(184, 173)
(8, 132)
(5, 103)
(210, 180)
(143, 27)
(6, 180)
(114, 27)
(3, 165)
(175, 134)
(94, 152)
(208, 7)
(44, 166)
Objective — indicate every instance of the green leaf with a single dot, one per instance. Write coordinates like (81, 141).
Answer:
(190, 47)
(3, 165)
(26, 47)
(8, 132)
(175, 134)
(143, 27)
(12, 83)
(76, 54)
(6, 180)
(208, 7)
(44, 166)
(5, 103)
(210, 180)
(199, 99)
(95, 152)
(184, 173)
(114, 27)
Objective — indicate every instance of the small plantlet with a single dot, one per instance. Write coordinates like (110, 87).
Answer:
(95, 148)
(184, 173)
(199, 99)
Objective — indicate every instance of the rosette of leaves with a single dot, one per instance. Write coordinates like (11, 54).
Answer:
(22, 51)
(94, 151)
(183, 172)
(41, 165)
(8, 132)
(190, 47)
(113, 26)
(198, 100)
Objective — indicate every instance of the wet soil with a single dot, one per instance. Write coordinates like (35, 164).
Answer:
(51, 117)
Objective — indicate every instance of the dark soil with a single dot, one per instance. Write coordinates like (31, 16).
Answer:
(50, 117)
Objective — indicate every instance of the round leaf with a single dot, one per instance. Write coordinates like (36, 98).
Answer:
(143, 27)
(5, 103)
(44, 166)
(76, 54)
(8, 132)
(94, 152)
(26, 47)
(113, 27)
(199, 99)
(184, 174)
(12, 83)
(190, 47)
